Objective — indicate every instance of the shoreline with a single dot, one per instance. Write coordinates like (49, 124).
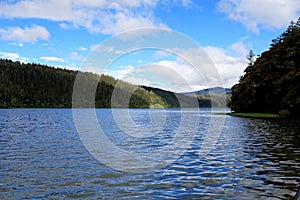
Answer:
(257, 115)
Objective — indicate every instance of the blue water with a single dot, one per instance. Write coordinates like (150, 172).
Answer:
(42, 156)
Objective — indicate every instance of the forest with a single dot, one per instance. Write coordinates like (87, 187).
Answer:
(271, 83)
(31, 85)
(39, 86)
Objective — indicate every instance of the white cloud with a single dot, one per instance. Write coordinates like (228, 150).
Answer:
(177, 75)
(169, 4)
(137, 81)
(187, 3)
(65, 26)
(122, 22)
(239, 49)
(101, 16)
(69, 67)
(229, 67)
(77, 56)
(122, 72)
(52, 59)
(81, 48)
(162, 54)
(16, 44)
(256, 13)
(180, 76)
(27, 34)
(165, 74)
(13, 56)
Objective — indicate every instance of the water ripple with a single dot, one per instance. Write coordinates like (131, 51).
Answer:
(41, 156)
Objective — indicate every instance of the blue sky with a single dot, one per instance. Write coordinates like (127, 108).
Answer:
(63, 33)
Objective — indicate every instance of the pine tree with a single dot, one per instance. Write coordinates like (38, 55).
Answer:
(251, 58)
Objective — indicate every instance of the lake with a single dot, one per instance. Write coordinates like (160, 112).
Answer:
(43, 156)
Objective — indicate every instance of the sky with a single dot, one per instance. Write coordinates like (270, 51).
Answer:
(64, 33)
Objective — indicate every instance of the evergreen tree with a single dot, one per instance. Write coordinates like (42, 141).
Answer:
(251, 58)
(272, 83)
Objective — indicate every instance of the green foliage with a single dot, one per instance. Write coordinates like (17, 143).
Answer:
(33, 85)
(175, 100)
(169, 97)
(256, 115)
(250, 57)
(272, 83)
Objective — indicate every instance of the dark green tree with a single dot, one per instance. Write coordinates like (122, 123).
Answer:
(251, 58)
(272, 83)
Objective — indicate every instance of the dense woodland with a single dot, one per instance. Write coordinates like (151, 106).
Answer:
(34, 85)
(39, 86)
(271, 84)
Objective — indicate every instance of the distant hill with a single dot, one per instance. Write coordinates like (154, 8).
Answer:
(272, 83)
(40, 86)
(174, 99)
(212, 91)
(194, 99)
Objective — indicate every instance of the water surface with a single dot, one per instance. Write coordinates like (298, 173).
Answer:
(42, 156)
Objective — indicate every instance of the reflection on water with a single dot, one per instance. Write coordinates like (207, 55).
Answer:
(41, 156)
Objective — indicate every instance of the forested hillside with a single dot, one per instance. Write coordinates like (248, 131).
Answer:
(34, 85)
(40, 86)
(204, 98)
(272, 83)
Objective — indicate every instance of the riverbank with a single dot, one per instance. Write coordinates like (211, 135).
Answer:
(256, 115)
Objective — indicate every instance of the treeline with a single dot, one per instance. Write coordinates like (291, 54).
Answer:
(40, 86)
(272, 83)
(192, 99)
(33, 85)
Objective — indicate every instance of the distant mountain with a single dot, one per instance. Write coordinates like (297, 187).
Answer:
(200, 98)
(211, 91)
(176, 100)
(39, 86)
